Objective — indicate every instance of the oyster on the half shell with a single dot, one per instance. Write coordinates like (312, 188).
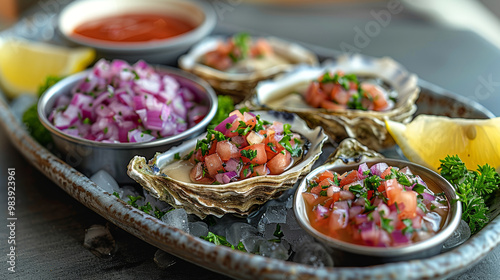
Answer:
(286, 92)
(240, 82)
(240, 197)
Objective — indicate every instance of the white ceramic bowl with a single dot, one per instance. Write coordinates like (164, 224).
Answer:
(157, 51)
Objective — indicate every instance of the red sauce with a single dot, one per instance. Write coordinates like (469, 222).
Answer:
(134, 28)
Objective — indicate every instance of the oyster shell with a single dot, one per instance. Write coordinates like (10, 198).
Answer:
(241, 84)
(366, 126)
(241, 197)
(350, 151)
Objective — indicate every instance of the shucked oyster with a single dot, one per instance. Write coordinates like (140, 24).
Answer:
(288, 93)
(240, 197)
(234, 66)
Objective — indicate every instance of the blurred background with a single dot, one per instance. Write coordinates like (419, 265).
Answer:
(454, 44)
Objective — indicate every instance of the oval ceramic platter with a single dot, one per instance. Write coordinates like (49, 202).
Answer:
(432, 100)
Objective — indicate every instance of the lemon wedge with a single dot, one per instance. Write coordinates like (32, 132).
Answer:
(24, 65)
(427, 139)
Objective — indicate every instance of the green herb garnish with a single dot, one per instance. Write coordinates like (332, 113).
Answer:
(474, 189)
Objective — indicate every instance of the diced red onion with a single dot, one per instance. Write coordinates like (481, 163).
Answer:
(342, 205)
(420, 181)
(239, 141)
(355, 210)
(360, 218)
(428, 196)
(139, 136)
(361, 171)
(321, 211)
(225, 178)
(120, 102)
(222, 126)
(378, 168)
(406, 170)
(232, 165)
(399, 238)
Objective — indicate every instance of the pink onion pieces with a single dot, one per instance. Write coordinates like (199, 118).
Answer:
(118, 102)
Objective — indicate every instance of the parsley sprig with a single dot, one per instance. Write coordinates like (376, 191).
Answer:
(474, 189)
(221, 240)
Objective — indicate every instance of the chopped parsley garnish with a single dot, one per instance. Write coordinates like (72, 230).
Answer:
(372, 182)
(419, 188)
(250, 154)
(177, 156)
(408, 229)
(385, 223)
(357, 189)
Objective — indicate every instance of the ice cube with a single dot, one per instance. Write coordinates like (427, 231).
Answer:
(292, 231)
(198, 229)
(105, 181)
(127, 191)
(155, 203)
(276, 214)
(238, 231)
(252, 243)
(164, 260)
(273, 250)
(459, 236)
(177, 218)
(99, 241)
(313, 253)
(289, 202)
(295, 237)
(220, 225)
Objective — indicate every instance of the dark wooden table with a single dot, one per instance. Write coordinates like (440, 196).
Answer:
(50, 225)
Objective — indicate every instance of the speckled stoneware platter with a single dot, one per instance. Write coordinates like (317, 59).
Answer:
(432, 100)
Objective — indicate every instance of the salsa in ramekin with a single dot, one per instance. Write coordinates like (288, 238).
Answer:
(381, 206)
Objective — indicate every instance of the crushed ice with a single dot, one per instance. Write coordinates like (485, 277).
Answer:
(99, 241)
(272, 231)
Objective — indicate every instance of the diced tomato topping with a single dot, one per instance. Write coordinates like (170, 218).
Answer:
(249, 120)
(316, 190)
(273, 147)
(329, 203)
(261, 47)
(409, 200)
(257, 170)
(392, 190)
(351, 177)
(254, 138)
(386, 172)
(279, 162)
(238, 114)
(331, 105)
(369, 194)
(309, 198)
(232, 131)
(213, 164)
(311, 92)
(379, 100)
(227, 150)
(197, 175)
(339, 95)
(259, 154)
(327, 174)
(332, 190)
